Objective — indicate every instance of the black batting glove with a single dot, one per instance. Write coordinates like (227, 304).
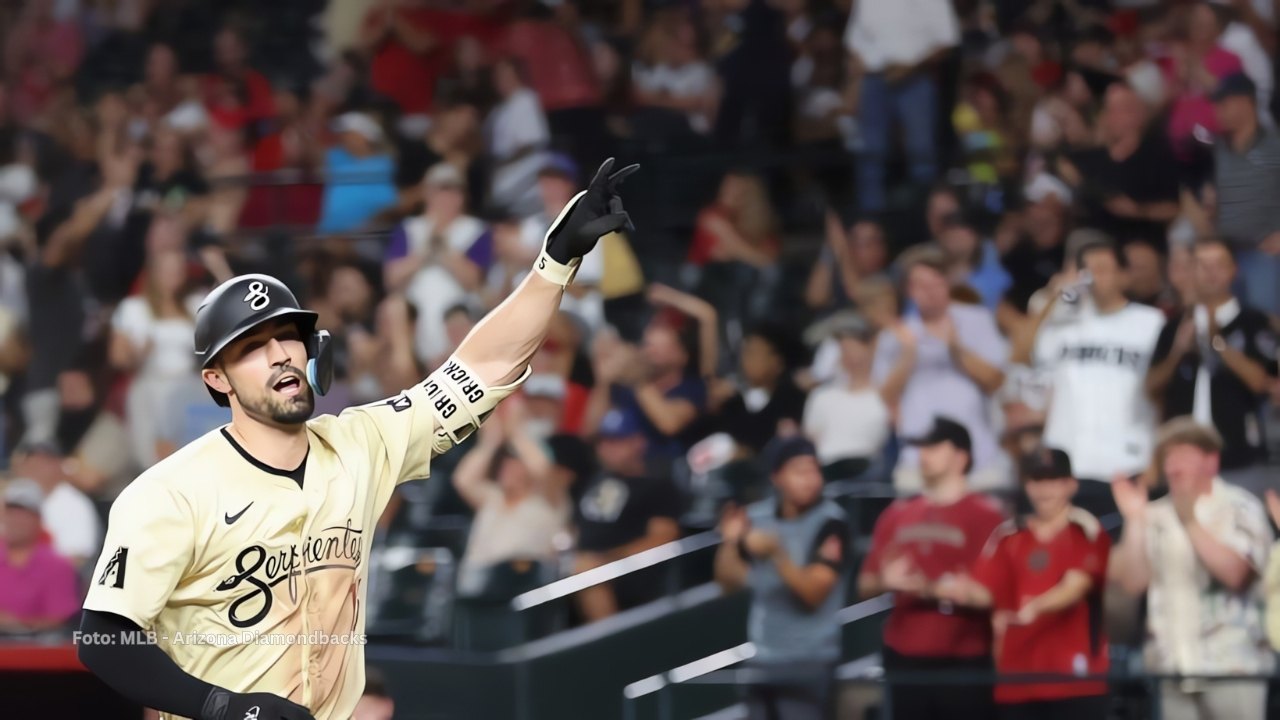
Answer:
(595, 212)
(226, 705)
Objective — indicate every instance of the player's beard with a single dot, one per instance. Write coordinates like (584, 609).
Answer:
(275, 409)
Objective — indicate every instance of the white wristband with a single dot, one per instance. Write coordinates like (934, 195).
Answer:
(555, 271)
(460, 400)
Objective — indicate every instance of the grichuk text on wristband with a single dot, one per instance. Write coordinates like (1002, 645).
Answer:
(460, 400)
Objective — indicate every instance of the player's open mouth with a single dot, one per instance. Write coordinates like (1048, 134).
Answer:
(288, 385)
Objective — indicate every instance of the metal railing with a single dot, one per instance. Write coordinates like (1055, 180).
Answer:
(689, 671)
(719, 662)
(565, 587)
(1130, 693)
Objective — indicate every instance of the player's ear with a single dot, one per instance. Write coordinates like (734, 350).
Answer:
(214, 378)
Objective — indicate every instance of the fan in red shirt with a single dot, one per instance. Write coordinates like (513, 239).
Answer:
(236, 94)
(739, 226)
(411, 43)
(1043, 576)
(558, 65)
(917, 543)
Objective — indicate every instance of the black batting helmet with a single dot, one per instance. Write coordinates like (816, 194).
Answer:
(242, 303)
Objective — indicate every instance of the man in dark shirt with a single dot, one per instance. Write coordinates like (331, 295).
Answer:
(56, 300)
(1247, 186)
(1038, 256)
(768, 396)
(752, 66)
(664, 395)
(418, 154)
(1215, 362)
(1129, 186)
(622, 512)
(165, 184)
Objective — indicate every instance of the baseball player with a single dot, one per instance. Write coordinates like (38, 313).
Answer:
(232, 581)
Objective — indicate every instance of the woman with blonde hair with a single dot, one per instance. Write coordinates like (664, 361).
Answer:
(735, 245)
(151, 339)
(740, 226)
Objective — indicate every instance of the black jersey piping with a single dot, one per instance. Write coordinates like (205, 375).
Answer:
(295, 474)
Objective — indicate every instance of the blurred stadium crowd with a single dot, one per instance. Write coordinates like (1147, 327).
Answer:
(1047, 223)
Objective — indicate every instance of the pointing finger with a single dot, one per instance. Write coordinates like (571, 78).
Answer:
(601, 178)
(616, 179)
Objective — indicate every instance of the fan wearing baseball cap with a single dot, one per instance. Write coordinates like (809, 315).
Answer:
(792, 551)
(623, 510)
(1043, 575)
(38, 587)
(359, 171)
(916, 543)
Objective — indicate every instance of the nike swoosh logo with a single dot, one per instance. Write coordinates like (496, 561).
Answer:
(232, 518)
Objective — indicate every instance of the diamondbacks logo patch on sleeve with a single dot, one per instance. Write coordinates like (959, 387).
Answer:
(113, 573)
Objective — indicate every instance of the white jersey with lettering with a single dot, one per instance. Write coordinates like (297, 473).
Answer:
(255, 584)
(1099, 412)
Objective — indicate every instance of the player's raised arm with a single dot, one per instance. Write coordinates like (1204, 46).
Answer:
(500, 346)
(494, 358)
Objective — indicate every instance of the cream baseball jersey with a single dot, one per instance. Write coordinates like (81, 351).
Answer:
(255, 583)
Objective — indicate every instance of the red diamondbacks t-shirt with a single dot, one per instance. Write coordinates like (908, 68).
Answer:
(939, 539)
(1016, 567)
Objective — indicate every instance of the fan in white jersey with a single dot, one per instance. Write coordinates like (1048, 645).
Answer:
(1099, 413)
